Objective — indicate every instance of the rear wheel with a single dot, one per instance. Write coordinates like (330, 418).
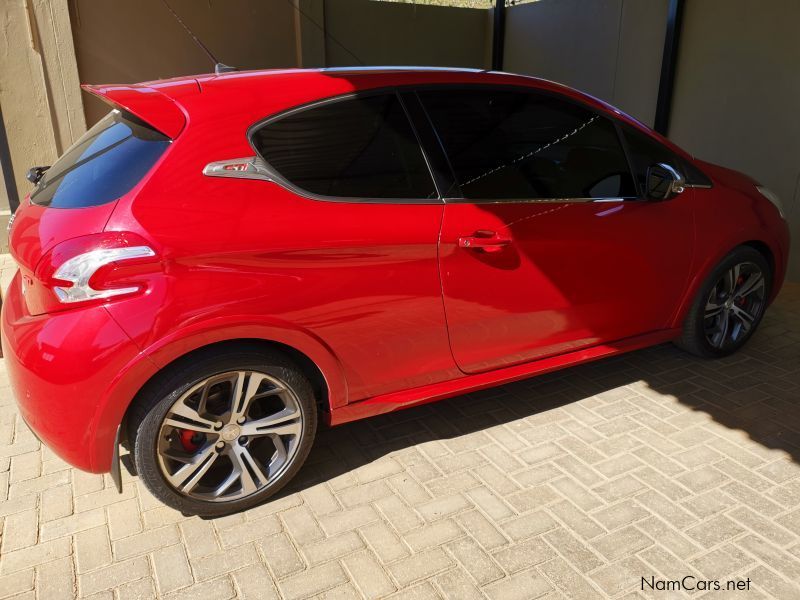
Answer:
(223, 433)
(729, 306)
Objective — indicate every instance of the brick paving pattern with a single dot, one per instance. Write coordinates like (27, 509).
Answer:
(573, 485)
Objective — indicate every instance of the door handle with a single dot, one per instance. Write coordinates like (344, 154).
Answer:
(486, 241)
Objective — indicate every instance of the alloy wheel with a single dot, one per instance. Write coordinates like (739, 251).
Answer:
(734, 305)
(229, 436)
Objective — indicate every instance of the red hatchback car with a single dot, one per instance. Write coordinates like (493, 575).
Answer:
(225, 260)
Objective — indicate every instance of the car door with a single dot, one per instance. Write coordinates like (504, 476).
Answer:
(546, 246)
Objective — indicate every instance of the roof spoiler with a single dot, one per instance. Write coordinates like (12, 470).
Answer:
(147, 103)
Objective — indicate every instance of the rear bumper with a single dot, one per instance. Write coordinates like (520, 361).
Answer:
(64, 370)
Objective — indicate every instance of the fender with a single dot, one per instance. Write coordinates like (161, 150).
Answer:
(708, 261)
(123, 388)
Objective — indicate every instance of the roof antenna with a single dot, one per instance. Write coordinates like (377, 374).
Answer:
(219, 67)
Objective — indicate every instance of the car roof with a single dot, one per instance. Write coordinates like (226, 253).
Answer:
(270, 91)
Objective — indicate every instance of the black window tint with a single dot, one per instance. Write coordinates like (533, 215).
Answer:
(645, 152)
(356, 148)
(507, 145)
(104, 164)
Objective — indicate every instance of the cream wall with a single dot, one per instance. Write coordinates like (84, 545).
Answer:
(737, 94)
(39, 93)
(395, 33)
(608, 48)
(125, 42)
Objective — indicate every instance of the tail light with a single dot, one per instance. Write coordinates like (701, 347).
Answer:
(91, 269)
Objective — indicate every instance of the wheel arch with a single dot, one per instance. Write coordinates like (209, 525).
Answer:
(314, 357)
(766, 252)
(702, 272)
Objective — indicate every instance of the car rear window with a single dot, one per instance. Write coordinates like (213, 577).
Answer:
(104, 164)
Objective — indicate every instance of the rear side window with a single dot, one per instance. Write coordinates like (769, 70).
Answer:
(362, 147)
(104, 164)
(506, 145)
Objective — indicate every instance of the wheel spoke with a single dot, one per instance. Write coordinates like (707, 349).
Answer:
(194, 421)
(243, 463)
(225, 485)
(280, 454)
(237, 400)
(753, 283)
(720, 331)
(712, 308)
(284, 422)
(744, 317)
(187, 477)
(731, 277)
(244, 395)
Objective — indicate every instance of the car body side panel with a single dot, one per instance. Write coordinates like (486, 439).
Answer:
(361, 276)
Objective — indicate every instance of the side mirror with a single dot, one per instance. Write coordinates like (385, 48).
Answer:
(35, 174)
(663, 182)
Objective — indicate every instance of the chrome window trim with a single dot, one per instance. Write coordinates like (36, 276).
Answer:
(257, 169)
(536, 200)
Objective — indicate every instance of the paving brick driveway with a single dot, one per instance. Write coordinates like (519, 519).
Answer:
(572, 485)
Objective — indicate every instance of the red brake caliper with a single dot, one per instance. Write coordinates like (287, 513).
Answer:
(740, 281)
(191, 440)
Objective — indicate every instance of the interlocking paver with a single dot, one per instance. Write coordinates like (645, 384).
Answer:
(574, 484)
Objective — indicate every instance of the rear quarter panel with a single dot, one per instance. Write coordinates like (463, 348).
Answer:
(353, 285)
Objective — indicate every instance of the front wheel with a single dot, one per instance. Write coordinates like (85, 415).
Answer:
(729, 306)
(224, 432)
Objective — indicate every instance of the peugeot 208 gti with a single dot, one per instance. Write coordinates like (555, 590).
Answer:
(222, 262)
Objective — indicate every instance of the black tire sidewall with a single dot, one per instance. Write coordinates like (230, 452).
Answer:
(151, 409)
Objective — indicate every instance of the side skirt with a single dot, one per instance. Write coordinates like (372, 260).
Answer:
(471, 383)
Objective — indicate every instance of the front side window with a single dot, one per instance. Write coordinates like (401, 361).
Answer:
(103, 165)
(646, 152)
(361, 147)
(506, 145)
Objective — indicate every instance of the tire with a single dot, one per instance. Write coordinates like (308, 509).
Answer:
(728, 293)
(202, 447)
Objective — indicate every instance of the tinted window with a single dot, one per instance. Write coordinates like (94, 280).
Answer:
(507, 145)
(356, 148)
(104, 164)
(645, 152)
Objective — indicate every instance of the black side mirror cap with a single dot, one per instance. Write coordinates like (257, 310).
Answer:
(35, 174)
(664, 182)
